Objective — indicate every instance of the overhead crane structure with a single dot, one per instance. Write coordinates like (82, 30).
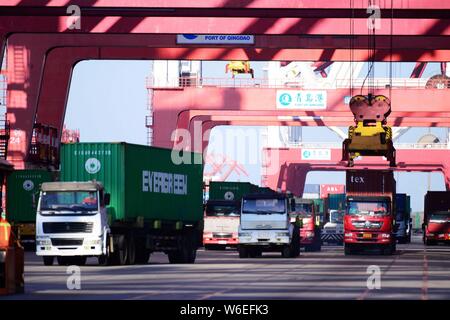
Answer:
(42, 51)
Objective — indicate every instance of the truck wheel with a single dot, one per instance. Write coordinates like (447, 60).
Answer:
(174, 257)
(243, 252)
(430, 243)
(105, 259)
(253, 252)
(348, 250)
(286, 252)
(131, 259)
(120, 255)
(48, 260)
(142, 253)
(387, 250)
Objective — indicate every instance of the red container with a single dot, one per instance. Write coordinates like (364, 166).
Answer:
(370, 183)
(436, 201)
(326, 189)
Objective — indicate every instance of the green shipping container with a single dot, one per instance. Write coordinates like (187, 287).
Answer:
(143, 181)
(21, 187)
(230, 190)
(336, 201)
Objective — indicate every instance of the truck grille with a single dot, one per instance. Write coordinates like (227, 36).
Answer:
(67, 227)
(66, 242)
(367, 225)
(222, 235)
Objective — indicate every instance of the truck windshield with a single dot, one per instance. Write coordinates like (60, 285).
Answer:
(218, 210)
(336, 217)
(76, 201)
(264, 206)
(367, 208)
(440, 217)
(304, 210)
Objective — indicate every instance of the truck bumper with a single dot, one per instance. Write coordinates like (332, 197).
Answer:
(278, 241)
(438, 237)
(73, 246)
(332, 237)
(221, 241)
(368, 237)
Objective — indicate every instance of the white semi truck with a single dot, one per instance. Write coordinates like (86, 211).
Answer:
(333, 230)
(265, 225)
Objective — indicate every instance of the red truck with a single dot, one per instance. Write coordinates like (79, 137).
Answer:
(369, 218)
(436, 219)
(310, 237)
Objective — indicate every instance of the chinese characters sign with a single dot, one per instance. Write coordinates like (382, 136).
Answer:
(300, 99)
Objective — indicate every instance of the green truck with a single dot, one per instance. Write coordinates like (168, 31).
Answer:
(22, 187)
(222, 212)
(120, 202)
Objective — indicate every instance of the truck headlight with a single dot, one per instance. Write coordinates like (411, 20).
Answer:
(349, 234)
(245, 234)
(385, 235)
(282, 234)
(43, 242)
(95, 242)
(430, 234)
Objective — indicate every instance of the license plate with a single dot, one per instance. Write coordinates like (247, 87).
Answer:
(222, 242)
(367, 235)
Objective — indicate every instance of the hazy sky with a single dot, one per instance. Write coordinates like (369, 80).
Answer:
(108, 102)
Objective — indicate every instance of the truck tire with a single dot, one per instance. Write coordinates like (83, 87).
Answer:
(131, 258)
(142, 253)
(48, 260)
(286, 252)
(186, 253)
(430, 242)
(387, 250)
(348, 249)
(243, 252)
(106, 259)
(120, 255)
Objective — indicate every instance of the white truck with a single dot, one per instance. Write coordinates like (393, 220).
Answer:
(265, 225)
(333, 230)
(71, 222)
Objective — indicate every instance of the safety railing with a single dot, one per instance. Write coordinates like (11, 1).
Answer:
(238, 82)
(338, 145)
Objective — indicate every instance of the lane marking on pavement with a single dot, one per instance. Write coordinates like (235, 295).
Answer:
(363, 295)
(425, 276)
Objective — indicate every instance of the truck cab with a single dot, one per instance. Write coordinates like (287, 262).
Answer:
(437, 228)
(368, 221)
(71, 222)
(436, 219)
(221, 224)
(333, 230)
(265, 225)
(310, 237)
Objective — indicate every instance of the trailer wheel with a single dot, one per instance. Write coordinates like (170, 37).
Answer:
(243, 252)
(48, 260)
(142, 253)
(131, 259)
(286, 252)
(348, 250)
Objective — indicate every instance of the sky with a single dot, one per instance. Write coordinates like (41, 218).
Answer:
(108, 102)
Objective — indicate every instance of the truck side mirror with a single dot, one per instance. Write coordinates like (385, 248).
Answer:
(107, 199)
